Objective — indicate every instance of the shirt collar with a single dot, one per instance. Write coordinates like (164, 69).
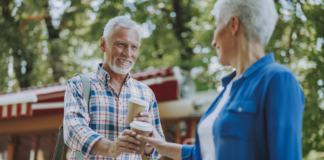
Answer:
(105, 77)
(228, 78)
(267, 59)
(127, 81)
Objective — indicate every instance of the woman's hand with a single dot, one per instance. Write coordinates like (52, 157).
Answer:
(171, 150)
(156, 143)
(155, 140)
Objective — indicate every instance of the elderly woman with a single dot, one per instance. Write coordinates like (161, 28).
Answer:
(258, 115)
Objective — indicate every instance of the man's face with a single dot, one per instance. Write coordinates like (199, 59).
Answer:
(121, 51)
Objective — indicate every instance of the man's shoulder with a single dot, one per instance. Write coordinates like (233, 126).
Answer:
(145, 91)
(140, 85)
(77, 78)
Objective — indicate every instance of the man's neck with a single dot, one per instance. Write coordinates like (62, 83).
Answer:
(116, 80)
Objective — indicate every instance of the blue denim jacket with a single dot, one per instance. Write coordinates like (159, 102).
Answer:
(262, 120)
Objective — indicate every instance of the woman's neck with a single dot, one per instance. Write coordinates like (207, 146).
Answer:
(247, 54)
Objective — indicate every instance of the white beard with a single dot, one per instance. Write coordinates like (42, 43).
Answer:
(120, 70)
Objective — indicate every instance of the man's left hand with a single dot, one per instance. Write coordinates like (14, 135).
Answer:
(144, 117)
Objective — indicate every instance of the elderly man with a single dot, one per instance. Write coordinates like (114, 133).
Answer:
(102, 133)
(259, 114)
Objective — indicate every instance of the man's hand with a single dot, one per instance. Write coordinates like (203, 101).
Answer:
(144, 117)
(125, 143)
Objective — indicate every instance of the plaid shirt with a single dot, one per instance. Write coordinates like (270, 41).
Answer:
(107, 112)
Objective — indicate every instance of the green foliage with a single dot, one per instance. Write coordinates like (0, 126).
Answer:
(180, 32)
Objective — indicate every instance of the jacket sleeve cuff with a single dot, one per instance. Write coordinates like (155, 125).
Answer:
(188, 152)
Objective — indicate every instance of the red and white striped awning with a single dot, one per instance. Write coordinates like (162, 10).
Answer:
(50, 100)
(152, 74)
(31, 102)
(15, 110)
(17, 104)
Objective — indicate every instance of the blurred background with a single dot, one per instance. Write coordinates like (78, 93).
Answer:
(43, 43)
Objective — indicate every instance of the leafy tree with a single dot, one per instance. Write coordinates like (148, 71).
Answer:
(37, 48)
(16, 45)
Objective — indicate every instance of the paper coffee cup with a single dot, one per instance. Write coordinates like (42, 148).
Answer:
(135, 106)
(141, 128)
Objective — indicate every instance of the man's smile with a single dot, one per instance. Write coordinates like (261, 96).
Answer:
(124, 62)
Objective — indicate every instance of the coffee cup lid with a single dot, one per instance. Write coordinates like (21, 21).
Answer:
(138, 101)
(143, 126)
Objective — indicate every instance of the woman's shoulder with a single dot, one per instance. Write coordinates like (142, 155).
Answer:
(276, 69)
(278, 73)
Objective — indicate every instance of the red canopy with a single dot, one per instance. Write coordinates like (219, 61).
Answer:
(50, 100)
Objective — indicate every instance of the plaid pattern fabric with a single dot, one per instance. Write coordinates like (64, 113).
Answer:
(107, 112)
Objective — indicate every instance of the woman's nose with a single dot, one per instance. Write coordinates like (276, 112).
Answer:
(214, 43)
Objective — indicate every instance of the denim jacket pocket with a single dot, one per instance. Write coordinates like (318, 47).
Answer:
(242, 107)
(237, 120)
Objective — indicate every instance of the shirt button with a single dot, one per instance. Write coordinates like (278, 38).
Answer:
(240, 109)
(120, 120)
(120, 103)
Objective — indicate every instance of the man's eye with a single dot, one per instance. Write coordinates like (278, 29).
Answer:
(135, 47)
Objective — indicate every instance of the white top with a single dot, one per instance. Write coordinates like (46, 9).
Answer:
(205, 128)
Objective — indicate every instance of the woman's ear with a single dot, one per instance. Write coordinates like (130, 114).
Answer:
(102, 44)
(234, 26)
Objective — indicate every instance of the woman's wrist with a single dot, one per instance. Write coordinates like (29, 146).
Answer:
(148, 148)
(172, 150)
(166, 147)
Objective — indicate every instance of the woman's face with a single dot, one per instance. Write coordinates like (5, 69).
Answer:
(224, 42)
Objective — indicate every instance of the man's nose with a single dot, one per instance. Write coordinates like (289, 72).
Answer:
(128, 51)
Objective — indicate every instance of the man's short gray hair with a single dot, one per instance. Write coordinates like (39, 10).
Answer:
(123, 21)
(258, 17)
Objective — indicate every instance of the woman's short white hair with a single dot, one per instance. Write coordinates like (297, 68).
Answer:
(123, 21)
(258, 17)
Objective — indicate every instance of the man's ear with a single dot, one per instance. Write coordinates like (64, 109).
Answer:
(102, 44)
(234, 26)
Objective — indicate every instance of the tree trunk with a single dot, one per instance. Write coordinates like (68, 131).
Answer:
(55, 50)
(183, 16)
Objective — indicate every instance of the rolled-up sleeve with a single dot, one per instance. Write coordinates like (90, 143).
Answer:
(284, 114)
(77, 133)
(155, 117)
(188, 152)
